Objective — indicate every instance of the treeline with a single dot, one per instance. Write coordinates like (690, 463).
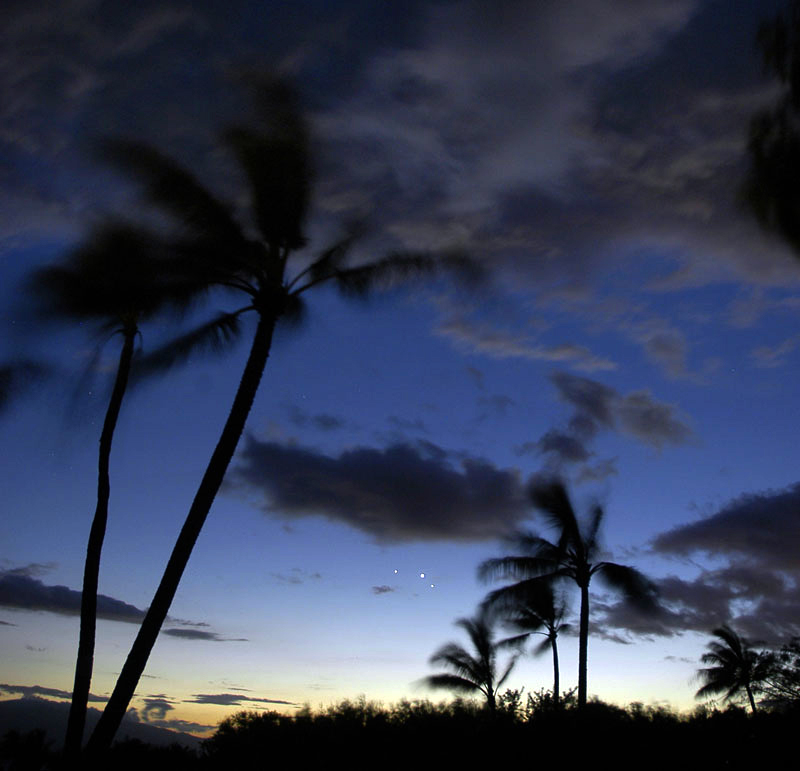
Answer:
(524, 729)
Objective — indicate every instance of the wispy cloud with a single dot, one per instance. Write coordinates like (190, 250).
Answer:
(200, 634)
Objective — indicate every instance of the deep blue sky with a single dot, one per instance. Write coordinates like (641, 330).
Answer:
(639, 335)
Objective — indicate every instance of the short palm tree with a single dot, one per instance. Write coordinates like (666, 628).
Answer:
(734, 668)
(534, 610)
(113, 281)
(255, 263)
(473, 672)
(573, 557)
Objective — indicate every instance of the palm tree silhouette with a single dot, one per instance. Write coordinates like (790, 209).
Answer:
(473, 672)
(533, 608)
(114, 281)
(253, 262)
(573, 557)
(734, 667)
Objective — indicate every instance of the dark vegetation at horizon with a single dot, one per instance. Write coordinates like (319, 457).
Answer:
(418, 733)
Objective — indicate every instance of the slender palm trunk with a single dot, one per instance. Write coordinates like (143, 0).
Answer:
(583, 645)
(94, 548)
(750, 696)
(556, 682)
(212, 479)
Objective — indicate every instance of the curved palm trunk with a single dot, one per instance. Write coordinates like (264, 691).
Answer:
(583, 646)
(556, 681)
(212, 479)
(94, 548)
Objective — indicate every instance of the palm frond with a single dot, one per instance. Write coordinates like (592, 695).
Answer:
(505, 674)
(329, 262)
(552, 502)
(278, 170)
(174, 189)
(399, 267)
(212, 337)
(516, 568)
(591, 538)
(637, 588)
(545, 646)
(451, 682)
(17, 377)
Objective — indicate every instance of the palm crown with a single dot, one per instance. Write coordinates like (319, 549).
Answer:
(733, 667)
(573, 556)
(212, 247)
(473, 672)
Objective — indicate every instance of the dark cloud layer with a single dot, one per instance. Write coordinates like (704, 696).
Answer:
(758, 526)
(232, 700)
(38, 690)
(26, 593)
(19, 590)
(401, 493)
(756, 536)
(637, 413)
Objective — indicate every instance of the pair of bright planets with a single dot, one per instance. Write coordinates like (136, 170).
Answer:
(421, 575)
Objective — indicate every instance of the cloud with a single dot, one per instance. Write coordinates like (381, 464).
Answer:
(637, 413)
(775, 356)
(322, 421)
(232, 700)
(498, 343)
(565, 447)
(384, 589)
(663, 344)
(38, 690)
(296, 576)
(762, 527)
(26, 593)
(405, 492)
(755, 589)
(19, 590)
(155, 709)
(199, 634)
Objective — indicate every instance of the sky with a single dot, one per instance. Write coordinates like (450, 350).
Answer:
(636, 335)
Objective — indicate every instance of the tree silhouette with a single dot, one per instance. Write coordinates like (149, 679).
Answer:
(255, 262)
(733, 667)
(533, 608)
(573, 557)
(113, 281)
(770, 188)
(473, 672)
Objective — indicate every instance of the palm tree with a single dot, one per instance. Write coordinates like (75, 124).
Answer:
(254, 262)
(534, 610)
(733, 667)
(770, 187)
(471, 673)
(113, 281)
(574, 556)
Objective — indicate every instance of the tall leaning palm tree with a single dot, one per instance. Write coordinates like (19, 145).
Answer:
(573, 557)
(258, 264)
(733, 667)
(534, 608)
(113, 281)
(473, 672)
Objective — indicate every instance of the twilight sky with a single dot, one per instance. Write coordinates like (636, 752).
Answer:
(637, 335)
